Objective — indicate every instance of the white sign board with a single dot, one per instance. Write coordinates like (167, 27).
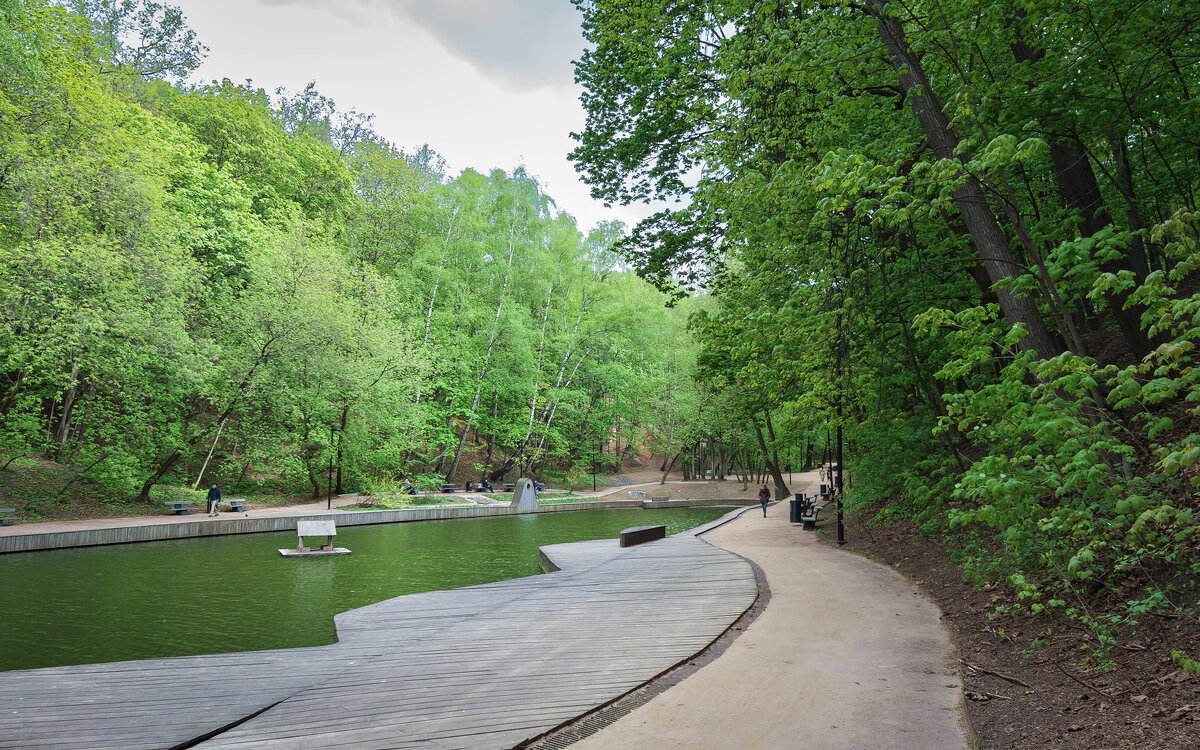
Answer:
(320, 527)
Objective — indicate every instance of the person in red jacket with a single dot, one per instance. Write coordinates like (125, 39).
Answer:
(764, 497)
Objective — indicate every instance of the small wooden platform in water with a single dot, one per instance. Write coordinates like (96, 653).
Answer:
(293, 552)
(479, 667)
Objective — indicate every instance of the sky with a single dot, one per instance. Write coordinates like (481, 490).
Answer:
(486, 83)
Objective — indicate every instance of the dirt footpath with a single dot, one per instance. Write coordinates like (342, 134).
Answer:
(846, 654)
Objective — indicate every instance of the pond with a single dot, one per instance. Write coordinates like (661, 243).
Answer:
(237, 593)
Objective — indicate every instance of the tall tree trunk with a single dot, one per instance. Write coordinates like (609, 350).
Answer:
(668, 467)
(208, 456)
(314, 478)
(10, 396)
(337, 486)
(491, 438)
(163, 467)
(774, 450)
(969, 197)
(487, 357)
(781, 489)
(551, 408)
(1133, 214)
(1080, 191)
(64, 421)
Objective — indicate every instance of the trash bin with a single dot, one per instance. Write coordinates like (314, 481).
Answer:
(796, 507)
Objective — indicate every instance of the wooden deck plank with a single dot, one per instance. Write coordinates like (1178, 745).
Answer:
(479, 667)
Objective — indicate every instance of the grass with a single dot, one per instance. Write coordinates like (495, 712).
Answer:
(570, 497)
(400, 502)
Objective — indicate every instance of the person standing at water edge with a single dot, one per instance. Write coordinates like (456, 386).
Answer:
(214, 499)
(764, 497)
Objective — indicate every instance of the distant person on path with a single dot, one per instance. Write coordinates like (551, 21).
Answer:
(764, 497)
(214, 500)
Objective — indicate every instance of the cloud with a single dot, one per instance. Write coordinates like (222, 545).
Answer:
(520, 45)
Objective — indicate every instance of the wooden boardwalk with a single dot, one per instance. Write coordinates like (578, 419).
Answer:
(479, 667)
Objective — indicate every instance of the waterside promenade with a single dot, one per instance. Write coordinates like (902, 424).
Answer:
(480, 667)
(844, 654)
(30, 537)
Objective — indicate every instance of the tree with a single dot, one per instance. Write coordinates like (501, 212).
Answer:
(143, 37)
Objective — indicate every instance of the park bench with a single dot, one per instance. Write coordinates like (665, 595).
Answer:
(449, 488)
(508, 486)
(642, 534)
(809, 510)
(178, 507)
(5, 514)
(237, 504)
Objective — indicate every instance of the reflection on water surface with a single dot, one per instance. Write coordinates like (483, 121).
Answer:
(236, 593)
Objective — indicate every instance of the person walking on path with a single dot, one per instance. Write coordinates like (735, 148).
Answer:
(214, 501)
(764, 497)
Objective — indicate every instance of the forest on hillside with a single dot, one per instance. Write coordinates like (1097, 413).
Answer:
(966, 233)
(254, 286)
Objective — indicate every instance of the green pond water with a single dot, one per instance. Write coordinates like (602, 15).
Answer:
(237, 593)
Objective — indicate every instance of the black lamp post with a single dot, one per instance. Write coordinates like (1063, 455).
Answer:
(841, 526)
(329, 499)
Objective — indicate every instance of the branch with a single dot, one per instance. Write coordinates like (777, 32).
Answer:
(976, 668)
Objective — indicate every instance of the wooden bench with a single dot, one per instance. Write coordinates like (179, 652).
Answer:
(7, 512)
(642, 534)
(508, 486)
(237, 505)
(449, 488)
(178, 507)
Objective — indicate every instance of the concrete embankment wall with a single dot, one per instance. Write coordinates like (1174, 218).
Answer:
(223, 526)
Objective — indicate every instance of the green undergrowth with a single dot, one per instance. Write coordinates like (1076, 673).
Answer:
(1070, 482)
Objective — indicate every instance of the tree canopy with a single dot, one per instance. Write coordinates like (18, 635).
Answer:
(214, 279)
(966, 233)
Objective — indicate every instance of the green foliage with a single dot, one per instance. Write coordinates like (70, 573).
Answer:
(212, 276)
(1185, 662)
(965, 234)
